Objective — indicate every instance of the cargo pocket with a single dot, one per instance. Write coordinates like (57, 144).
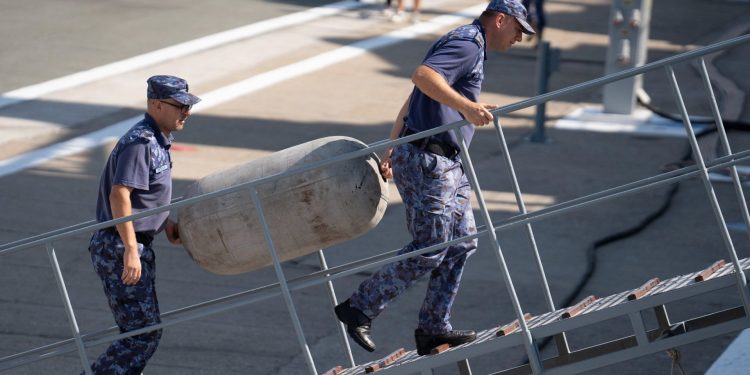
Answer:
(436, 188)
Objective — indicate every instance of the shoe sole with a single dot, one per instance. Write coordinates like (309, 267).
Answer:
(422, 351)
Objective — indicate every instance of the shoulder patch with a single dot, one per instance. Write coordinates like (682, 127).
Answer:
(466, 32)
(146, 134)
(138, 134)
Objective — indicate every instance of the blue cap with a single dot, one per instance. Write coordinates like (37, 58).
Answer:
(515, 9)
(170, 87)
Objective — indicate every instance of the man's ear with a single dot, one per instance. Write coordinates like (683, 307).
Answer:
(500, 19)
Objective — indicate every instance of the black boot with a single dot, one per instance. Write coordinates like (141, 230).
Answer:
(426, 342)
(357, 325)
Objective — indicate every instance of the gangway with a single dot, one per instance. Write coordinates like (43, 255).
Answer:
(526, 331)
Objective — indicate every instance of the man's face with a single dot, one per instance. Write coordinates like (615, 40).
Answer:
(508, 32)
(172, 114)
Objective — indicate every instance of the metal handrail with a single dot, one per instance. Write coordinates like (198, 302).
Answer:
(78, 229)
(320, 277)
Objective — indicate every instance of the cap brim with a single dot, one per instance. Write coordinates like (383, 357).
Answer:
(186, 98)
(527, 29)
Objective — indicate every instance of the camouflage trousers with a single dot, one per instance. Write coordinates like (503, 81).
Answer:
(436, 196)
(133, 306)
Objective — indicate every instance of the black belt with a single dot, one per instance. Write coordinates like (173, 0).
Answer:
(432, 144)
(144, 238)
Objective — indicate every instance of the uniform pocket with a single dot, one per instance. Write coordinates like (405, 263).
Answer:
(434, 166)
(436, 190)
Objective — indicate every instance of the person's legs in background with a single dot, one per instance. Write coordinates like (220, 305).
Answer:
(536, 17)
(400, 14)
(388, 9)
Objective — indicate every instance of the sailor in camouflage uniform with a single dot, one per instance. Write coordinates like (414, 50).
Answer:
(137, 177)
(430, 178)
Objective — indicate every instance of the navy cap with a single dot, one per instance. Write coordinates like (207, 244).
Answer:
(515, 9)
(170, 87)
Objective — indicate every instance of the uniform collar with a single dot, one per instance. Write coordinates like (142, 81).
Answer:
(484, 36)
(164, 141)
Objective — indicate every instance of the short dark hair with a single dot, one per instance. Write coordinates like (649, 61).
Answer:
(487, 14)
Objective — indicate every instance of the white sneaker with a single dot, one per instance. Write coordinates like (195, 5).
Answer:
(397, 17)
(415, 17)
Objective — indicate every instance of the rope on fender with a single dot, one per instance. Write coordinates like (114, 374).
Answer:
(675, 355)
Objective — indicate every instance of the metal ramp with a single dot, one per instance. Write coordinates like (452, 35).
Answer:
(631, 303)
(652, 295)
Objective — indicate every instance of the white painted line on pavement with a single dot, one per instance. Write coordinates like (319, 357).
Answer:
(323, 60)
(173, 52)
(241, 88)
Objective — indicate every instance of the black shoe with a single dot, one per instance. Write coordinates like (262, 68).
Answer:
(426, 342)
(357, 325)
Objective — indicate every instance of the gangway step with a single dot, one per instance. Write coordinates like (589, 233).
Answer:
(439, 349)
(335, 371)
(708, 272)
(383, 363)
(577, 308)
(652, 294)
(513, 326)
(644, 289)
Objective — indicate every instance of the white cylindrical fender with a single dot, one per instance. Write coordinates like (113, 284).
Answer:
(305, 212)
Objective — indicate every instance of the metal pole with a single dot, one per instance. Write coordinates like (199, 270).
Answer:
(725, 143)
(332, 296)
(562, 343)
(531, 350)
(68, 308)
(463, 367)
(522, 208)
(735, 176)
(282, 281)
(741, 281)
(542, 77)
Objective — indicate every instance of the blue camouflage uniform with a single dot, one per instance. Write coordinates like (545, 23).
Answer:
(434, 188)
(141, 159)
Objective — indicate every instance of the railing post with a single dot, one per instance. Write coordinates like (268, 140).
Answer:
(463, 367)
(282, 281)
(740, 275)
(725, 143)
(531, 350)
(561, 341)
(735, 176)
(68, 309)
(334, 302)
